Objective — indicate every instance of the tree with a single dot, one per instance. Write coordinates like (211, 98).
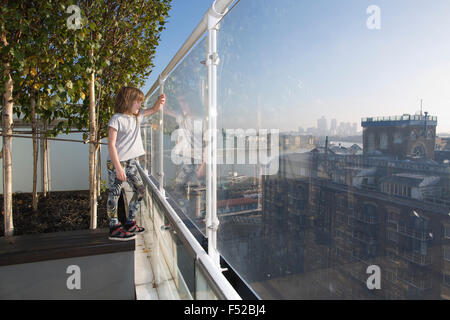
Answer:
(57, 66)
(16, 32)
(39, 79)
(113, 47)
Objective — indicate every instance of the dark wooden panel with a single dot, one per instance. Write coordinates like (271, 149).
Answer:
(59, 245)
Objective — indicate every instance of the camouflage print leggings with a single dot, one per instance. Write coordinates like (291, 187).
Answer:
(115, 187)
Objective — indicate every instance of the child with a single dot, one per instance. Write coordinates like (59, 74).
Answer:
(125, 146)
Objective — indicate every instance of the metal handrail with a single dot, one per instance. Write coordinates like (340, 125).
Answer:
(219, 6)
(217, 281)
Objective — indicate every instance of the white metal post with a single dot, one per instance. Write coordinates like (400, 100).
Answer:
(212, 60)
(151, 148)
(161, 140)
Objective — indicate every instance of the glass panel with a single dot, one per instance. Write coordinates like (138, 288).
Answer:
(313, 70)
(203, 290)
(172, 261)
(184, 124)
(150, 132)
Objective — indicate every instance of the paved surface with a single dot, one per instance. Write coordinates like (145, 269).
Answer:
(152, 278)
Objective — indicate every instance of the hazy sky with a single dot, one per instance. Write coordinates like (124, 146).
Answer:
(286, 63)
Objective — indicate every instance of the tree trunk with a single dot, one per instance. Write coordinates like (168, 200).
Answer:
(44, 156)
(99, 168)
(35, 153)
(7, 163)
(92, 150)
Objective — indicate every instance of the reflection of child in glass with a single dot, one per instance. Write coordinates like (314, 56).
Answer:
(125, 146)
(192, 169)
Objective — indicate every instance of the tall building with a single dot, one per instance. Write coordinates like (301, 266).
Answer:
(328, 217)
(322, 126)
(354, 128)
(333, 127)
(401, 137)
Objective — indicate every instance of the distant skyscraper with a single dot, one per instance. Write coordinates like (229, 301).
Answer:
(354, 128)
(343, 129)
(333, 127)
(322, 126)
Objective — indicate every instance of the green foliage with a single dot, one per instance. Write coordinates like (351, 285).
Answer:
(103, 186)
(50, 60)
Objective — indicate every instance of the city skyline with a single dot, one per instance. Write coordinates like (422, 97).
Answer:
(334, 129)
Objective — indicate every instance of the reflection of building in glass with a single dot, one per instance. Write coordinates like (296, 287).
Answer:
(238, 205)
(328, 215)
(311, 231)
(328, 230)
(297, 142)
(401, 137)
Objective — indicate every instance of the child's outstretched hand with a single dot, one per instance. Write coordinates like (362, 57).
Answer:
(161, 101)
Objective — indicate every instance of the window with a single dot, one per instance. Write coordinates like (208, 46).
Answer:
(340, 218)
(419, 151)
(447, 253)
(398, 138)
(447, 232)
(351, 221)
(383, 141)
(351, 204)
(393, 217)
(423, 248)
(371, 142)
(446, 279)
(392, 236)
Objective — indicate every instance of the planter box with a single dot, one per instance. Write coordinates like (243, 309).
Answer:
(82, 264)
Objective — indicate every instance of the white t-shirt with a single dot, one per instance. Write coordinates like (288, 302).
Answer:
(129, 141)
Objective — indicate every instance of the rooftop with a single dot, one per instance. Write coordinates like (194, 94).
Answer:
(405, 119)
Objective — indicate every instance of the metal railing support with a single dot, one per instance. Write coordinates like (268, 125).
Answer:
(212, 60)
(161, 139)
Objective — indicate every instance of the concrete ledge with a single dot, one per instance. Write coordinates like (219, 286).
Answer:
(59, 245)
(81, 264)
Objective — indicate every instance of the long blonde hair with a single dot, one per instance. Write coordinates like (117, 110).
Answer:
(125, 99)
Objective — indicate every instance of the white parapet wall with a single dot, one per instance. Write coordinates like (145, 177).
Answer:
(69, 164)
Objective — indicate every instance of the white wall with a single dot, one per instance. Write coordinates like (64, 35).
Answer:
(69, 164)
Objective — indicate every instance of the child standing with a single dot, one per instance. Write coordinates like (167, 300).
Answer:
(125, 146)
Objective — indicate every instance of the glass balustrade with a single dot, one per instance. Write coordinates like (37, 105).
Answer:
(330, 175)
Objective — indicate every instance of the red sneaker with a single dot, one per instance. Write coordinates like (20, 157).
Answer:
(134, 228)
(119, 233)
